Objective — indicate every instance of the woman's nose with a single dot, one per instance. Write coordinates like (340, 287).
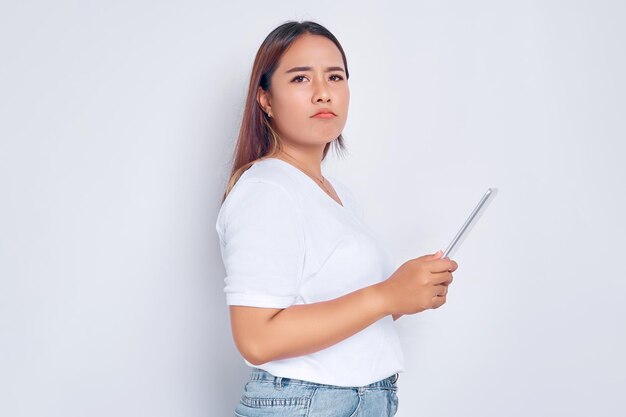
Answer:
(321, 92)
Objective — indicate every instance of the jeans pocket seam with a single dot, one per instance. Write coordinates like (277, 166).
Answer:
(254, 402)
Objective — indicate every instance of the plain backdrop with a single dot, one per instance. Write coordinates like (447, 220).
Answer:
(118, 122)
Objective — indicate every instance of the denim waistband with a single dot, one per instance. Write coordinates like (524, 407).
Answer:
(257, 374)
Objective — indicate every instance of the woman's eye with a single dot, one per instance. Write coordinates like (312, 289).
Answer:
(298, 79)
(301, 78)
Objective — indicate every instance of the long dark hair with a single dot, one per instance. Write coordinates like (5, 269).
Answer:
(257, 139)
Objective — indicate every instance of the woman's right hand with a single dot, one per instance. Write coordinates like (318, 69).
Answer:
(418, 284)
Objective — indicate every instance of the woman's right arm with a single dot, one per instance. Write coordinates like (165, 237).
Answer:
(266, 334)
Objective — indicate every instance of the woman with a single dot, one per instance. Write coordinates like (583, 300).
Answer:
(311, 292)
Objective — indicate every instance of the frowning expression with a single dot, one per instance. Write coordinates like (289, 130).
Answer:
(308, 95)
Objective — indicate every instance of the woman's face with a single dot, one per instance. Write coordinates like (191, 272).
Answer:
(310, 78)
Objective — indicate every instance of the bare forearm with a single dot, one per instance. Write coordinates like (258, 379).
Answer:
(303, 329)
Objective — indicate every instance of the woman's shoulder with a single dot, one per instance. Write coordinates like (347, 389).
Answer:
(269, 171)
(262, 191)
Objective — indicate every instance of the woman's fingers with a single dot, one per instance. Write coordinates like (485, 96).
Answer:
(438, 302)
(442, 278)
(442, 265)
(419, 284)
(441, 290)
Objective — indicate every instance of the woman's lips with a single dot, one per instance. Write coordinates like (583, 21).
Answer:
(324, 116)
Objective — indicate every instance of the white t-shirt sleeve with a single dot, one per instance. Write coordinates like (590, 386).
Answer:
(262, 245)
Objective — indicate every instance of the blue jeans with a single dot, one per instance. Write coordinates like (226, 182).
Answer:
(266, 395)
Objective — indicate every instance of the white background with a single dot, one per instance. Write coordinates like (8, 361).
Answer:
(118, 120)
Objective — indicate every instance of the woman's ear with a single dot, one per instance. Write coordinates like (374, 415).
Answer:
(264, 101)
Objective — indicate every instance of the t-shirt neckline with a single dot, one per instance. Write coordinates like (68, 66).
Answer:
(311, 181)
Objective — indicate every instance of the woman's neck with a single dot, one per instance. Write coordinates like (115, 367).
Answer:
(309, 160)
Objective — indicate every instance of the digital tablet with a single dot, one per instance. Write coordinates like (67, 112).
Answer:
(470, 222)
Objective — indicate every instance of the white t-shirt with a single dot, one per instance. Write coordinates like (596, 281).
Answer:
(284, 241)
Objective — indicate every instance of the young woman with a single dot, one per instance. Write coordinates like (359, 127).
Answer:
(312, 293)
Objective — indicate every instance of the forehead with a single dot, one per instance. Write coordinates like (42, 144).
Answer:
(311, 50)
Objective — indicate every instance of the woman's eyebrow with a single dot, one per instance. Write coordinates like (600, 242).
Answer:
(301, 69)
